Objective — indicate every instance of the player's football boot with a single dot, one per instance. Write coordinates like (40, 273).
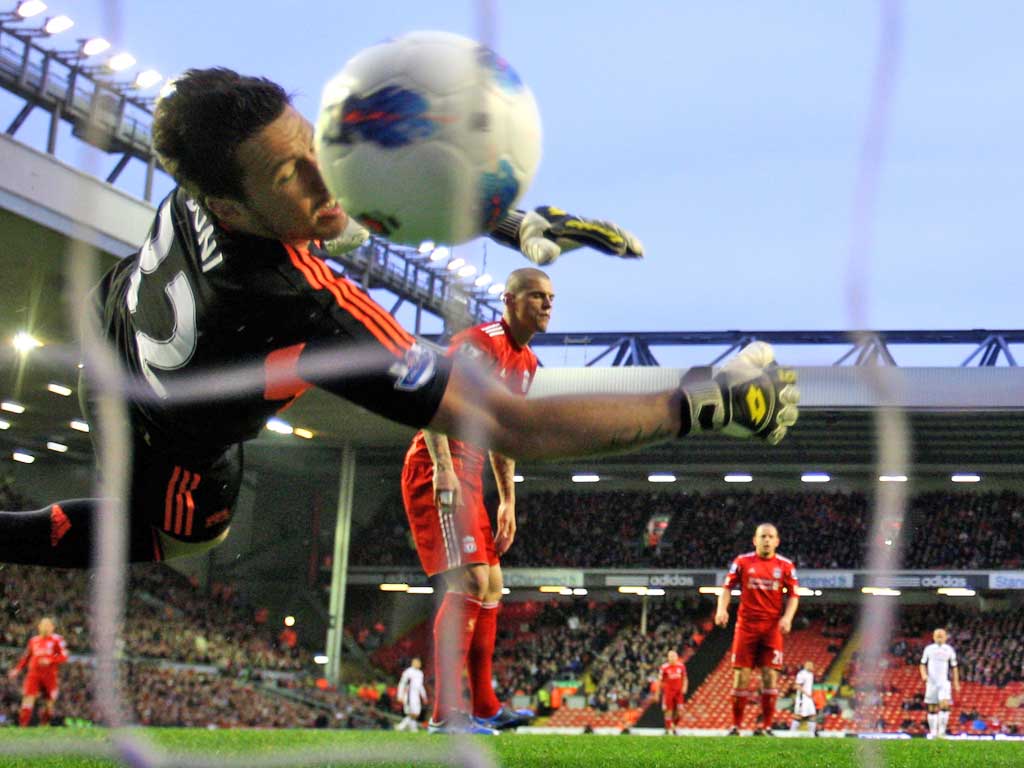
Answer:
(460, 722)
(507, 718)
(734, 731)
(763, 732)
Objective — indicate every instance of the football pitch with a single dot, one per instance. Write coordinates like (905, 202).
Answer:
(510, 750)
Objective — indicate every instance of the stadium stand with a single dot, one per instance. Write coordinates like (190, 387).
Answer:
(818, 530)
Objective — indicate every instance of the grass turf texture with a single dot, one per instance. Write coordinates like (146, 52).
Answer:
(511, 751)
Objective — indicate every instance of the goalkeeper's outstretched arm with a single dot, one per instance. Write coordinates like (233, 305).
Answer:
(750, 396)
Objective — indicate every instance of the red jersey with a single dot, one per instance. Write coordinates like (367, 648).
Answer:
(762, 581)
(50, 647)
(673, 676)
(492, 347)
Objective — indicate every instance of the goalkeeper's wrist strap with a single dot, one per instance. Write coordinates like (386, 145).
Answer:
(702, 397)
(507, 231)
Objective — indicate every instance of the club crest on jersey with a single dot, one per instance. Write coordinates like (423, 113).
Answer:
(777, 573)
(415, 370)
(468, 545)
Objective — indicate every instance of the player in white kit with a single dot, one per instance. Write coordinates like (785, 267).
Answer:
(937, 661)
(413, 696)
(804, 710)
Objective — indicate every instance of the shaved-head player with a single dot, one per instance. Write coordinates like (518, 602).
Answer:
(766, 580)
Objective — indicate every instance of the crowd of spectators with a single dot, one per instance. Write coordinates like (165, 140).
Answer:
(558, 643)
(167, 617)
(818, 530)
(622, 673)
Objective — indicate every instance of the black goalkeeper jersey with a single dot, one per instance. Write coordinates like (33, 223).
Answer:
(221, 330)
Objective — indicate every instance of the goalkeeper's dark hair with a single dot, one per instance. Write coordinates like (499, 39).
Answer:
(199, 125)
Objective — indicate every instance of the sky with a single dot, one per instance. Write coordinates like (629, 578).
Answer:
(726, 135)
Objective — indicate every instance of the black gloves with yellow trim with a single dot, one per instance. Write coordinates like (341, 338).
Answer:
(545, 233)
(749, 396)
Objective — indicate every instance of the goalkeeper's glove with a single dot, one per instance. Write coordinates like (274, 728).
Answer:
(750, 396)
(545, 233)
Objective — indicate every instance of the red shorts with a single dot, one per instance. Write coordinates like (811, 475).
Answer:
(36, 683)
(443, 542)
(757, 643)
(671, 701)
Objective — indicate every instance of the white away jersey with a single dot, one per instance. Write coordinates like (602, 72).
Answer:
(805, 682)
(938, 659)
(410, 687)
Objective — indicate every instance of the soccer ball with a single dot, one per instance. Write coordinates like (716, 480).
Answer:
(429, 136)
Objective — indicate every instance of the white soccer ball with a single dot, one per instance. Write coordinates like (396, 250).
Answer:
(430, 136)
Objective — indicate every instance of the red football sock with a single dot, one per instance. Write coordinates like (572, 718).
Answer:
(768, 697)
(44, 716)
(739, 703)
(25, 717)
(481, 659)
(454, 626)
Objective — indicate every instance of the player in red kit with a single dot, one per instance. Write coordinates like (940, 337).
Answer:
(45, 653)
(443, 494)
(763, 578)
(673, 691)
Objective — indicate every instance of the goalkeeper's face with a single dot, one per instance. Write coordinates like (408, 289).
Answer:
(766, 540)
(285, 194)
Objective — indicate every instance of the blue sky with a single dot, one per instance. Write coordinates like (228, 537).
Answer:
(725, 134)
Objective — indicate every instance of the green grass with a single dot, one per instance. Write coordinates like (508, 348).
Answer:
(510, 750)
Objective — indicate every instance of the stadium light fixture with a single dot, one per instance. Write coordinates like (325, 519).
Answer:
(956, 592)
(387, 587)
(817, 593)
(24, 341)
(661, 477)
(320, 658)
(455, 263)
(57, 24)
(119, 62)
(518, 479)
(59, 389)
(78, 425)
(736, 592)
(305, 434)
(420, 591)
(12, 407)
(804, 592)
(710, 590)
(440, 253)
(881, 591)
(550, 589)
(579, 591)
(965, 477)
(289, 621)
(483, 281)
(280, 426)
(892, 478)
(467, 271)
(586, 478)
(5, 424)
(29, 8)
(814, 477)
(22, 457)
(655, 591)
(147, 78)
(94, 46)
(738, 477)
(496, 289)
(426, 247)
(506, 591)
(57, 447)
